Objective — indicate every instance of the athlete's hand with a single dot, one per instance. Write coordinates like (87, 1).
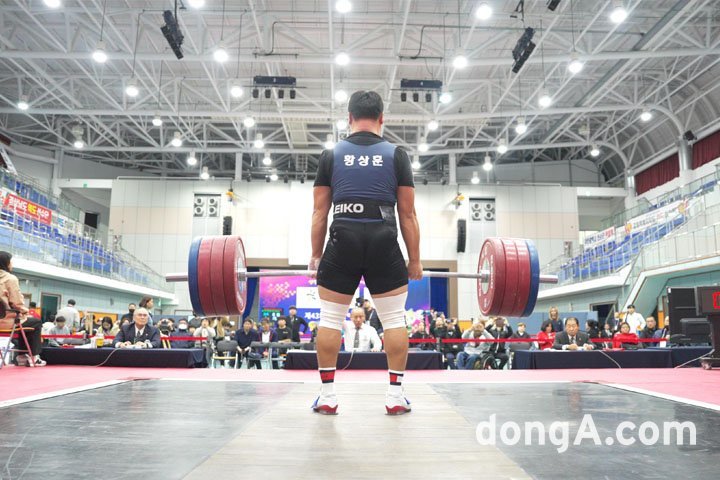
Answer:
(414, 270)
(314, 264)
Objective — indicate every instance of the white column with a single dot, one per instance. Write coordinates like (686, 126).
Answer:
(452, 168)
(238, 166)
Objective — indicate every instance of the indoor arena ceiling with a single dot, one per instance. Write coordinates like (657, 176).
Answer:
(662, 58)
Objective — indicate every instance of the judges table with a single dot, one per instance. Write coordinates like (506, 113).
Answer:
(541, 359)
(120, 357)
(418, 360)
(683, 355)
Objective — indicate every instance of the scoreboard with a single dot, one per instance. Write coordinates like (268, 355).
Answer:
(707, 300)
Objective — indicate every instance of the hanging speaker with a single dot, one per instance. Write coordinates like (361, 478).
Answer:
(475, 206)
(489, 216)
(227, 225)
(199, 211)
(477, 215)
(461, 234)
(199, 201)
(212, 211)
(213, 201)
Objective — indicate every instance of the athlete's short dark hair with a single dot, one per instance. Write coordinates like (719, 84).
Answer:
(365, 104)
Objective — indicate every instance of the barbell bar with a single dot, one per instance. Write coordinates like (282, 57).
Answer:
(508, 276)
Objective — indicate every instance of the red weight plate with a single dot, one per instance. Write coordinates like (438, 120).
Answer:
(235, 290)
(490, 293)
(511, 278)
(217, 261)
(523, 285)
(203, 273)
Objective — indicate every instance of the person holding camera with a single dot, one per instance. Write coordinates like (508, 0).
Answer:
(183, 330)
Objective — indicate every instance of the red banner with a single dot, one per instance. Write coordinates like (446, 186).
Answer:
(28, 209)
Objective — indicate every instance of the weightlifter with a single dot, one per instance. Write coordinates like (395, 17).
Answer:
(364, 177)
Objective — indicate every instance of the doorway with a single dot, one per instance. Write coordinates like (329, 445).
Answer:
(604, 311)
(49, 304)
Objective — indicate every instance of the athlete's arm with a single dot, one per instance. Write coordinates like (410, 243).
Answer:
(322, 200)
(410, 229)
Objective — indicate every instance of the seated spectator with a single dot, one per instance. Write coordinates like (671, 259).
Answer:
(625, 338)
(521, 333)
(501, 330)
(107, 329)
(284, 334)
(182, 331)
(12, 297)
(475, 351)
(244, 337)
(591, 328)
(360, 336)
(49, 325)
(59, 329)
(419, 331)
(138, 334)
(649, 332)
(222, 329)
(268, 335)
(34, 312)
(607, 334)
(207, 334)
(572, 338)
(546, 335)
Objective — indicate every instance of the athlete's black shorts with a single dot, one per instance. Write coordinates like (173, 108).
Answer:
(362, 249)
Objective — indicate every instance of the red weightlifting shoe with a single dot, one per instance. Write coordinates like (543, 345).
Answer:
(325, 405)
(397, 404)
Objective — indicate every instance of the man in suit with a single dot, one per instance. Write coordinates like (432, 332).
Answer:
(138, 334)
(572, 338)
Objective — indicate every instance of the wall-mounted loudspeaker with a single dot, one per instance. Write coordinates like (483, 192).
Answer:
(489, 216)
(227, 225)
(477, 215)
(489, 206)
(199, 211)
(475, 206)
(213, 201)
(461, 234)
(212, 211)
(199, 201)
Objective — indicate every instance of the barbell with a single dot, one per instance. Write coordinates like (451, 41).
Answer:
(508, 276)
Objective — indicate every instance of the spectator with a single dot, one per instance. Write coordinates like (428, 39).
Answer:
(59, 329)
(107, 329)
(572, 338)
(649, 332)
(591, 327)
(441, 333)
(359, 336)
(138, 334)
(268, 335)
(625, 338)
(501, 330)
(13, 298)
(90, 324)
(371, 316)
(521, 333)
(284, 334)
(71, 315)
(244, 337)
(546, 335)
(615, 322)
(295, 323)
(419, 331)
(607, 334)
(554, 315)
(475, 351)
(634, 320)
(222, 329)
(182, 331)
(148, 304)
(128, 316)
(205, 334)
(34, 312)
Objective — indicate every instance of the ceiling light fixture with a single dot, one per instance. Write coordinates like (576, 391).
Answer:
(192, 159)
(487, 165)
(329, 142)
(177, 140)
(341, 125)
(196, 3)
(475, 179)
(99, 54)
(483, 12)
(220, 55)
(341, 96)
(594, 151)
(259, 142)
(423, 146)
(433, 125)
(249, 122)
(157, 120)
(521, 126)
(267, 159)
(646, 116)
(342, 59)
(52, 3)
(273, 177)
(619, 14)
(545, 100)
(502, 146)
(460, 61)
(445, 98)
(575, 66)
(343, 6)
(416, 162)
(205, 174)
(131, 90)
(23, 103)
(236, 91)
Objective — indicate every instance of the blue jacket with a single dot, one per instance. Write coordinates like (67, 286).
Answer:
(244, 339)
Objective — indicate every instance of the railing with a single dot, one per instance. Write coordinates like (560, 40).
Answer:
(118, 264)
(709, 181)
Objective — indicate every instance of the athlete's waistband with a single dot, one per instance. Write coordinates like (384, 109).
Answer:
(364, 209)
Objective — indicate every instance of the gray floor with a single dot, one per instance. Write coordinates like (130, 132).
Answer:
(198, 430)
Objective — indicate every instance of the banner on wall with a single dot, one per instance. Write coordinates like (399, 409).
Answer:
(277, 294)
(28, 209)
(656, 217)
(599, 238)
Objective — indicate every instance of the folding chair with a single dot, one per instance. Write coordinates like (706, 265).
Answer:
(226, 350)
(16, 332)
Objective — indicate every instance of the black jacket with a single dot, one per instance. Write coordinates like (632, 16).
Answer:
(562, 338)
(127, 334)
(294, 324)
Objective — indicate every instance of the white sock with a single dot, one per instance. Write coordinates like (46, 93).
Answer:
(328, 389)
